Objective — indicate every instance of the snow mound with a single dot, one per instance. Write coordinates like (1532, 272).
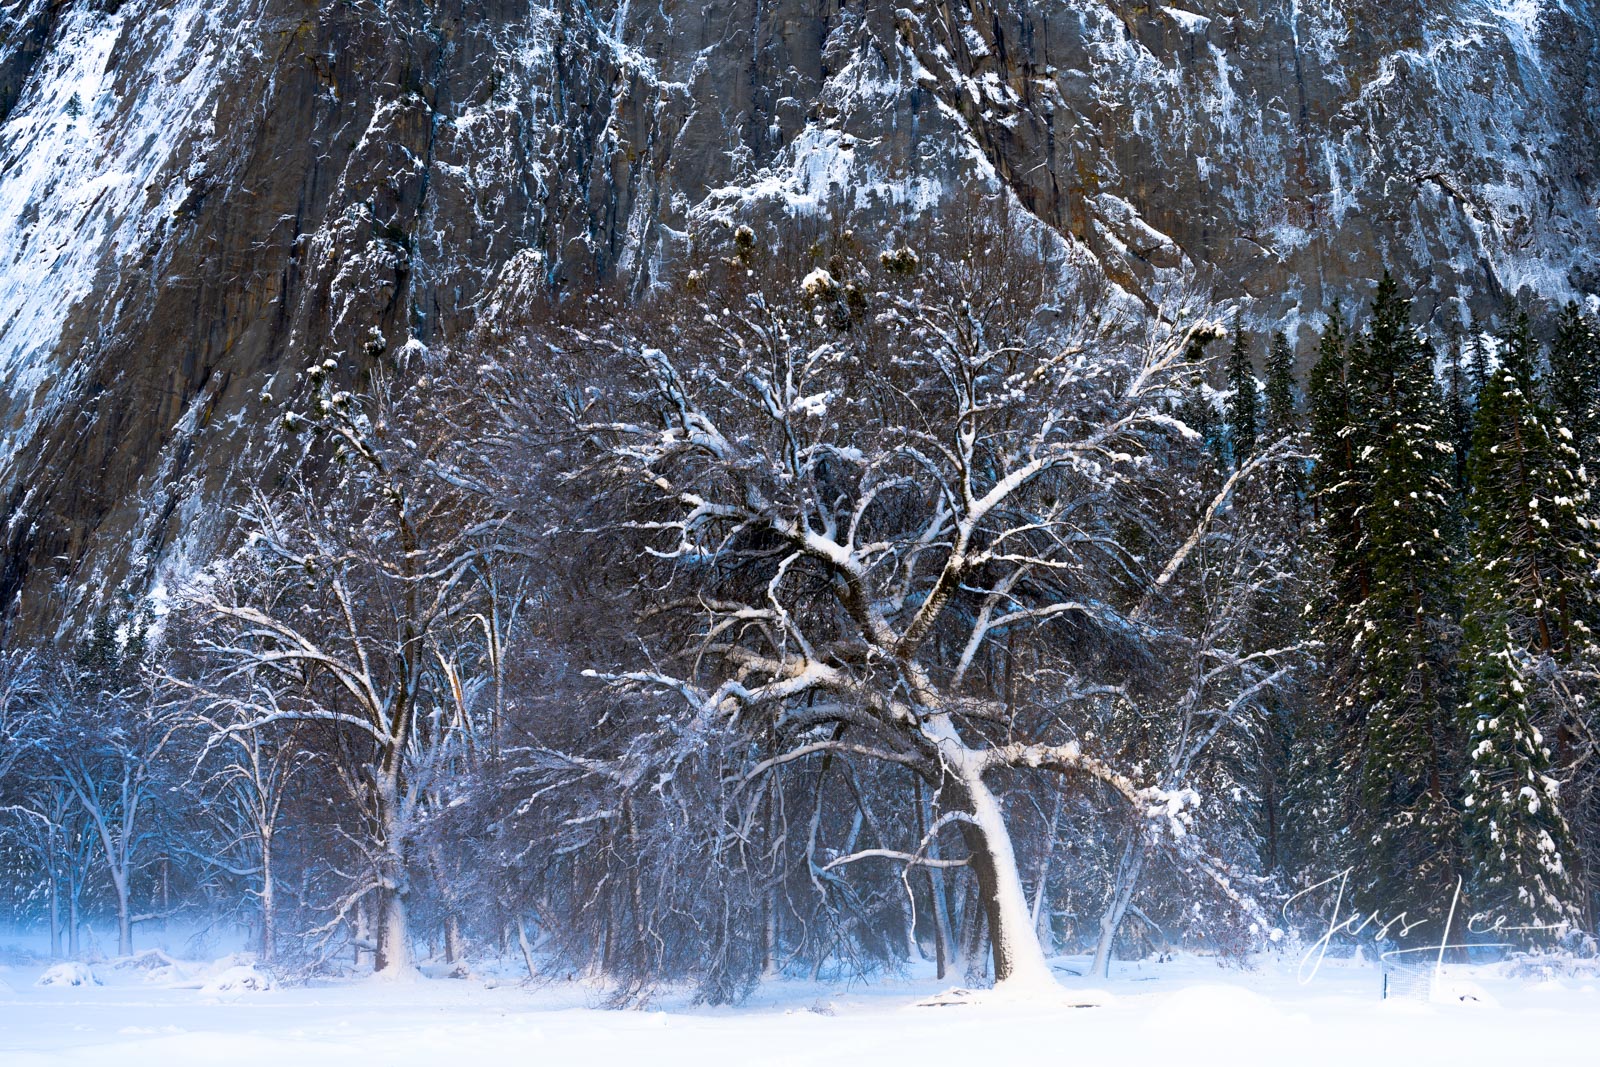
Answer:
(151, 959)
(230, 961)
(396, 976)
(68, 974)
(240, 978)
(153, 965)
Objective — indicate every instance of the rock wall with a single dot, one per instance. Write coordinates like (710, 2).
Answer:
(198, 199)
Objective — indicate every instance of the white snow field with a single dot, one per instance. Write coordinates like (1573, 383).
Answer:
(1185, 1013)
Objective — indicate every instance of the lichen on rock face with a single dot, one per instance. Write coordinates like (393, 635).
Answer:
(250, 185)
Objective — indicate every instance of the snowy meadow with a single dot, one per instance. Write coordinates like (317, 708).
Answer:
(1185, 1010)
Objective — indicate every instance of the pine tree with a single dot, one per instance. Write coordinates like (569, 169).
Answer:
(1298, 753)
(1316, 799)
(1401, 748)
(1477, 353)
(1282, 412)
(1518, 841)
(1282, 419)
(1337, 487)
(1244, 401)
(1531, 602)
(1575, 382)
(1532, 527)
(1199, 413)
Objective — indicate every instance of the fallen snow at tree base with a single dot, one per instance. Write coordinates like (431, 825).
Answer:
(66, 974)
(1188, 1012)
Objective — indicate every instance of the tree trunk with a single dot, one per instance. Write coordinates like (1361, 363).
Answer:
(1018, 961)
(72, 923)
(268, 919)
(1129, 867)
(363, 931)
(454, 947)
(72, 916)
(394, 935)
(1040, 911)
(124, 918)
(55, 916)
(943, 942)
(394, 956)
(971, 927)
(527, 949)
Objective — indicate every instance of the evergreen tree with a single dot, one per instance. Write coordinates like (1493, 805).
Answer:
(1575, 382)
(1300, 769)
(1199, 413)
(1281, 419)
(1282, 413)
(1244, 401)
(1401, 748)
(1316, 800)
(1518, 841)
(1531, 599)
(1532, 528)
(1338, 490)
(1477, 353)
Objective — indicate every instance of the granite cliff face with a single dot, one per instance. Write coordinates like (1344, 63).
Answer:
(198, 198)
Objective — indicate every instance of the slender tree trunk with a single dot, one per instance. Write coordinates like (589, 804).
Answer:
(1040, 911)
(72, 916)
(1129, 868)
(454, 947)
(124, 918)
(54, 872)
(943, 942)
(268, 916)
(55, 916)
(363, 931)
(527, 949)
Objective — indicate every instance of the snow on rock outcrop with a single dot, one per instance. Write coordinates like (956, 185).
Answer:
(67, 974)
(90, 177)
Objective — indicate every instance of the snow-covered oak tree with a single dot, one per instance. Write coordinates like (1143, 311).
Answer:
(352, 611)
(863, 491)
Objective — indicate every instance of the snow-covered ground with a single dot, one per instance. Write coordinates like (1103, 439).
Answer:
(1183, 1013)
